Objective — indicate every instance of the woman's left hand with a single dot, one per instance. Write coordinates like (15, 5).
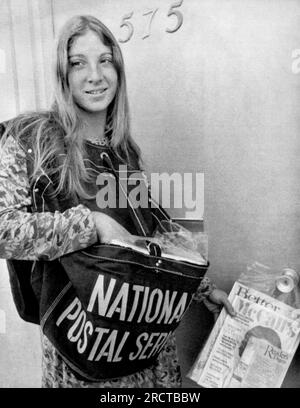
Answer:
(216, 300)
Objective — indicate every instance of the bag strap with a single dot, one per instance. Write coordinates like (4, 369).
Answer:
(158, 212)
(136, 216)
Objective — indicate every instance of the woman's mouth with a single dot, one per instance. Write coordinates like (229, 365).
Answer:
(96, 91)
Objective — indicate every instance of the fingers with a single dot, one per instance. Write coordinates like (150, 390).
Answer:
(228, 307)
(220, 297)
(212, 307)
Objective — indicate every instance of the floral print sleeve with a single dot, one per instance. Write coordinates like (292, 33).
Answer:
(35, 236)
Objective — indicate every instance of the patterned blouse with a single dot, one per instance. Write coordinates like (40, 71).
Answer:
(33, 236)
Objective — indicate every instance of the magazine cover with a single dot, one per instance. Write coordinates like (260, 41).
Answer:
(253, 349)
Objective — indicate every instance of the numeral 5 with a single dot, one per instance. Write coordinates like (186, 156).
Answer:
(178, 15)
(128, 25)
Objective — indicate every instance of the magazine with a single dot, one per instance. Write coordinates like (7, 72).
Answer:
(251, 350)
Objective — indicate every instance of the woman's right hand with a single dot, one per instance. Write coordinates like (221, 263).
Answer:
(109, 229)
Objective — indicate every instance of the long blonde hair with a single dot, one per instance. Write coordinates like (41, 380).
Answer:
(62, 126)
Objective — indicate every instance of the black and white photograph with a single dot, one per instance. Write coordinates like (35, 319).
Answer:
(150, 195)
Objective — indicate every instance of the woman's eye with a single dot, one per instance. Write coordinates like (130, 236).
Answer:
(76, 64)
(106, 61)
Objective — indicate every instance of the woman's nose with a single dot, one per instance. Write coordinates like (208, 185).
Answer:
(95, 73)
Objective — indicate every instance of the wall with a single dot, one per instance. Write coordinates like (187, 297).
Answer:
(26, 38)
(217, 96)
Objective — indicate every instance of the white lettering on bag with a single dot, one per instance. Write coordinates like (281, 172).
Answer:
(150, 305)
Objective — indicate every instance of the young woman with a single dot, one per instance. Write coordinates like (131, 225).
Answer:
(90, 109)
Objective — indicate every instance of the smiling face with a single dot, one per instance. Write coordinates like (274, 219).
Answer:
(92, 76)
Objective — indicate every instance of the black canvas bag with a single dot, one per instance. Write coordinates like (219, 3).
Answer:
(118, 308)
(107, 309)
(115, 307)
(23, 295)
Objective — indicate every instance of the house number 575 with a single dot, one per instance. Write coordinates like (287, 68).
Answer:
(172, 12)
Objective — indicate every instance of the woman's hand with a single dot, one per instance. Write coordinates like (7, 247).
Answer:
(216, 300)
(109, 229)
